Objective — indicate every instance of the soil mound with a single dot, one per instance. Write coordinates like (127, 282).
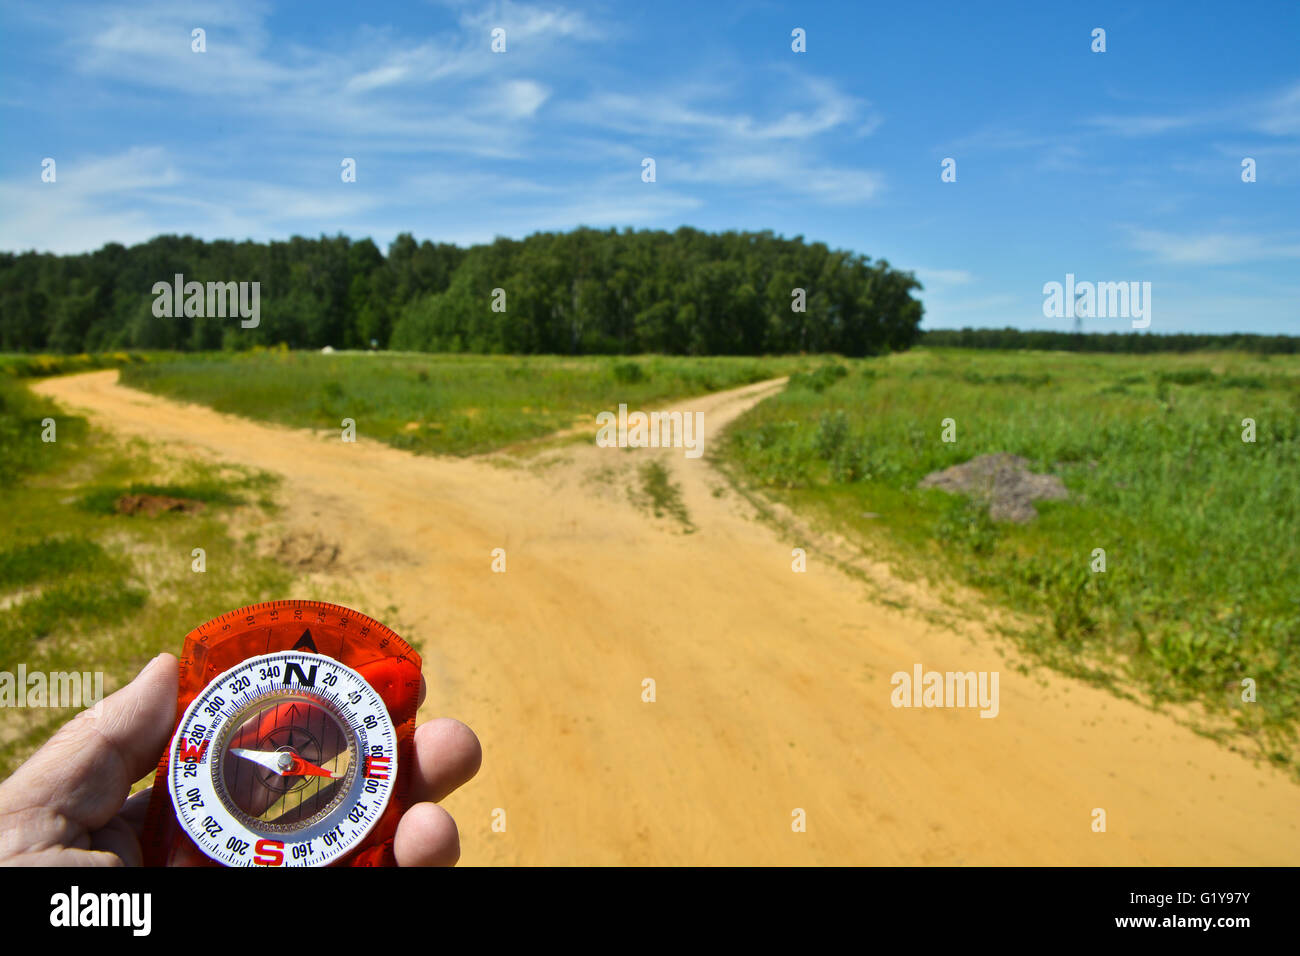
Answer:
(1004, 482)
(153, 505)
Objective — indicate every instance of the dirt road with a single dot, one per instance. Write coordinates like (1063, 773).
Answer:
(772, 688)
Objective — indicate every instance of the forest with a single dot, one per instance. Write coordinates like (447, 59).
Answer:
(586, 291)
(1134, 342)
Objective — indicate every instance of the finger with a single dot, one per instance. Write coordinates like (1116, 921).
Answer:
(135, 809)
(118, 838)
(447, 755)
(34, 829)
(66, 856)
(426, 836)
(133, 814)
(86, 769)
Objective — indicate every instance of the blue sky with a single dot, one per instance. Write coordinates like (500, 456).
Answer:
(1115, 166)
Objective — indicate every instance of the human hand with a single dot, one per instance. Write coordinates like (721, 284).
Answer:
(67, 805)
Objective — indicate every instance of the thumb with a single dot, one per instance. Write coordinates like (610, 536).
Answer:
(86, 769)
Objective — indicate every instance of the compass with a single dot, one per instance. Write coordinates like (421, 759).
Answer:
(294, 743)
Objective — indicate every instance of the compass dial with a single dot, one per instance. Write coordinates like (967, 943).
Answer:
(287, 759)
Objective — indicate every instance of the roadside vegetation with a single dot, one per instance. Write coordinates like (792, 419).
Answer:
(441, 404)
(662, 495)
(1133, 342)
(85, 587)
(36, 366)
(1201, 530)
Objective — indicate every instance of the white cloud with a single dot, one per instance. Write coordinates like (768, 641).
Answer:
(137, 194)
(1281, 115)
(388, 75)
(673, 113)
(446, 186)
(788, 171)
(435, 122)
(695, 139)
(379, 90)
(520, 99)
(932, 277)
(1212, 248)
(523, 22)
(1141, 125)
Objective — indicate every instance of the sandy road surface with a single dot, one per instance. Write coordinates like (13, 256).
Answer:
(773, 687)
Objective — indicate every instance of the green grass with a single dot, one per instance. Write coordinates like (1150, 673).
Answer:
(1201, 530)
(664, 496)
(50, 558)
(441, 404)
(83, 588)
(37, 366)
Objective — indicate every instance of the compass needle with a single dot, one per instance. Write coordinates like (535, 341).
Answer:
(268, 760)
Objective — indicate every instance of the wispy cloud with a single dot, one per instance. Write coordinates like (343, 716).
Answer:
(526, 22)
(1212, 249)
(380, 88)
(136, 194)
(787, 170)
(678, 113)
(1142, 125)
(377, 95)
(697, 136)
(1280, 114)
(1277, 114)
(942, 277)
(520, 99)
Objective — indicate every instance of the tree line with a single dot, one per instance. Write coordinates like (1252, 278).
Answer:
(1134, 342)
(586, 291)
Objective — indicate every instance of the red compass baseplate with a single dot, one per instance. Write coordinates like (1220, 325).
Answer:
(387, 663)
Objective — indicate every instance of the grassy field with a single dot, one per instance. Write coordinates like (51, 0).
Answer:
(441, 404)
(84, 588)
(1201, 530)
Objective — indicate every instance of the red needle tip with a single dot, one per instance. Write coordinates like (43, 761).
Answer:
(301, 768)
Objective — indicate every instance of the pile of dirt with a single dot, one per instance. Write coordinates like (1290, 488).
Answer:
(153, 505)
(1004, 482)
(306, 551)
